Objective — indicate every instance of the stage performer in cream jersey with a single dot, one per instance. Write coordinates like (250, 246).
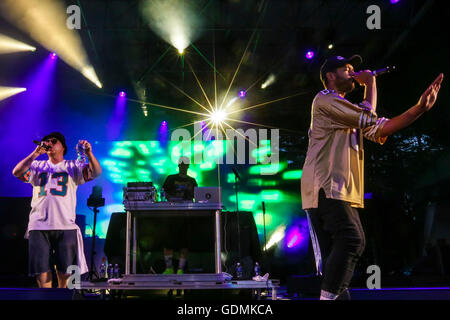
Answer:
(53, 237)
(332, 183)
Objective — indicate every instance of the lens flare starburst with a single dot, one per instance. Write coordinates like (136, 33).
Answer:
(220, 111)
(218, 116)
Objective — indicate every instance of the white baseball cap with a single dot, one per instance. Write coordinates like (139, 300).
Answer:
(184, 160)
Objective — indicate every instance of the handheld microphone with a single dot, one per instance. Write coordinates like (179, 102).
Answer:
(379, 72)
(41, 144)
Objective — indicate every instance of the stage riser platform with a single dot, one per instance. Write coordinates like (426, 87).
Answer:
(394, 294)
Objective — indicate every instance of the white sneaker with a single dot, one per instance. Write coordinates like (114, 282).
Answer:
(259, 278)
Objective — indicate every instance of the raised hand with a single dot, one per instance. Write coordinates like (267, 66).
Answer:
(87, 146)
(429, 97)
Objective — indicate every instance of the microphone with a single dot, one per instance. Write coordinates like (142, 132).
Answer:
(236, 174)
(41, 144)
(379, 72)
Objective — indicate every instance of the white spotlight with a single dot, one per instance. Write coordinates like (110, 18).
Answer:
(270, 80)
(144, 109)
(276, 237)
(179, 42)
(90, 74)
(231, 102)
(46, 22)
(6, 92)
(175, 21)
(9, 45)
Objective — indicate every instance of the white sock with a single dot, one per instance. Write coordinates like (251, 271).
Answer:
(325, 295)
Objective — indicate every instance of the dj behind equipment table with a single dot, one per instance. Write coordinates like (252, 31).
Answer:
(140, 200)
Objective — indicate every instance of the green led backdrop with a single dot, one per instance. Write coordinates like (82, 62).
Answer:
(131, 161)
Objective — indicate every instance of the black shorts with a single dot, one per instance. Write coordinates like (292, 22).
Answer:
(47, 248)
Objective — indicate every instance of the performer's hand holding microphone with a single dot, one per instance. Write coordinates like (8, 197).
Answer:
(364, 77)
(41, 148)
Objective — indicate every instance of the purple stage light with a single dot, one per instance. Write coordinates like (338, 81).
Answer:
(53, 56)
(35, 103)
(395, 1)
(242, 94)
(297, 235)
(116, 121)
(310, 55)
(163, 133)
(294, 237)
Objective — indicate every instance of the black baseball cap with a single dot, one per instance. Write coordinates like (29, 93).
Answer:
(58, 136)
(335, 62)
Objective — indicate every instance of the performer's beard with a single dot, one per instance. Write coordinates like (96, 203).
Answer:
(344, 85)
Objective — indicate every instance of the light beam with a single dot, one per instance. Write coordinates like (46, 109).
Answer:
(6, 92)
(9, 45)
(175, 21)
(46, 22)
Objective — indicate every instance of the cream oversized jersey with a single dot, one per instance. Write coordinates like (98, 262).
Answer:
(54, 193)
(335, 157)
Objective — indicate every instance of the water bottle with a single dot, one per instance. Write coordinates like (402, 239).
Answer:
(116, 271)
(257, 269)
(103, 271)
(81, 155)
(238, 271)
(110, 271)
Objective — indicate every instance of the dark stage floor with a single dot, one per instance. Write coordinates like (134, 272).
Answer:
(417, 293)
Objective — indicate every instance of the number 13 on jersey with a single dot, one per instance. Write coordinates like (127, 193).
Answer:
(61, 189)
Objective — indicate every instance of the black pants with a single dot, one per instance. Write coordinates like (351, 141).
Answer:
(341, 240)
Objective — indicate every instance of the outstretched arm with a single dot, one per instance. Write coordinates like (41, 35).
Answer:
(425, 103)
